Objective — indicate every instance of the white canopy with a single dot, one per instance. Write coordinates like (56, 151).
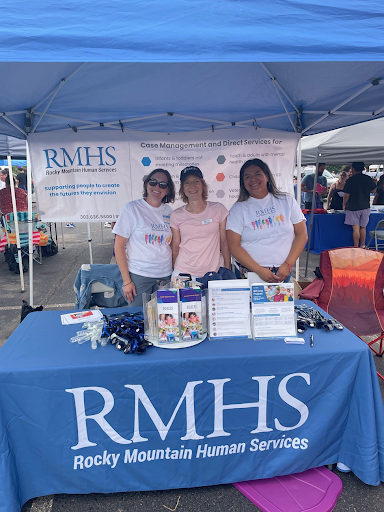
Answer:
(363, 142)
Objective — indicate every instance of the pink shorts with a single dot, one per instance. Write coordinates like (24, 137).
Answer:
(357, 217)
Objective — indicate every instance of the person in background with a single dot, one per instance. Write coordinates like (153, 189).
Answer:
(334, 201)
(143, 238)
(379, 196)
(22, 178)
(356, 202)
(3, 174)
(6, 197)
(307, 184)
(198, 229)
(266, 229)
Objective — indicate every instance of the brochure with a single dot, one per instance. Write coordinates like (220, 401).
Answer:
(168, 316)
(273, 310)
(79, 317)
(229, 308)
(190, 314)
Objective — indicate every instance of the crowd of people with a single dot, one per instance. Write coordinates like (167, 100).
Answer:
(264, 231)
(351, 192)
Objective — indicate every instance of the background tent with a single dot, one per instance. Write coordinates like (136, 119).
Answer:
(361, 142)
(13, 147)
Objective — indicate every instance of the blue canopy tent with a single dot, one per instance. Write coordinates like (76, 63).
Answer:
(286, 65)
(190, 65)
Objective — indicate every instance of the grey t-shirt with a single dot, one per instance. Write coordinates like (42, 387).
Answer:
(308, 181)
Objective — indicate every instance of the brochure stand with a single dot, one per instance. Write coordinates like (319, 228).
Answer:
(175, 318)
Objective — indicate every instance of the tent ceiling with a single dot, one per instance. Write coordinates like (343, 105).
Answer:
(194, 58)
(215, 93)
(191, 31)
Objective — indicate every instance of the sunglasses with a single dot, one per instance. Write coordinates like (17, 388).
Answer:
(153, 183)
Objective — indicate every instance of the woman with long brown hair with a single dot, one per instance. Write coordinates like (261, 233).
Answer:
(266, 229)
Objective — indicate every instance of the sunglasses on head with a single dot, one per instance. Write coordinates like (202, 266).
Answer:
(162, 184)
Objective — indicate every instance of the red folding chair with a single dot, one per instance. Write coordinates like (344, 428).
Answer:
(353, 291)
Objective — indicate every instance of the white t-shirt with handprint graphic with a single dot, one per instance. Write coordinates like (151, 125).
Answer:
(149, 236)
(266, 227)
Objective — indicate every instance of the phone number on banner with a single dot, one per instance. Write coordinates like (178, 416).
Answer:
(98, 217)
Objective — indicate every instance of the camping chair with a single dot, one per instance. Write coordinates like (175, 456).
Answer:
(39, 239)
(352, 291)
(378, 234)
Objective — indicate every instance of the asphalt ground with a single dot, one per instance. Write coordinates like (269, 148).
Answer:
(53, 288)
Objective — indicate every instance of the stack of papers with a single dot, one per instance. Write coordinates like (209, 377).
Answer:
(79, 317)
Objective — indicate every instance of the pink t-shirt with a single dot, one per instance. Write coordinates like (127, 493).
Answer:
(199, 250)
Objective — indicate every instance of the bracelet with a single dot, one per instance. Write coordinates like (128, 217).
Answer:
(290, 266)
(125, 284)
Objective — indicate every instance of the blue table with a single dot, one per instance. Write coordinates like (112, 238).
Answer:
(330, 232)
(74, 420)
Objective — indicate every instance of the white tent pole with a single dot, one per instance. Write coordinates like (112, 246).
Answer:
(6, 232)
(90, 243)
(30, 227)
(12, 185)
(298, 197)
(312, 208)
(62, 234)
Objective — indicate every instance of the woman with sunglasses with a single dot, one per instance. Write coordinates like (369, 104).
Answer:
(198, 229)
(266, 228)
(143, 238)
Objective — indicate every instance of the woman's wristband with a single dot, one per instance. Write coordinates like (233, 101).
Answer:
(290, 266)
(126, 284)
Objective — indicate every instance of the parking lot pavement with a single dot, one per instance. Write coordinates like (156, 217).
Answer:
(53, 288)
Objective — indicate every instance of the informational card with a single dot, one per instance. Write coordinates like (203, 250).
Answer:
(229, 308)
(79, 317)
(273, 311)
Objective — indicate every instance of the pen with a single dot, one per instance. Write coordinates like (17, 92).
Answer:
(311, 340)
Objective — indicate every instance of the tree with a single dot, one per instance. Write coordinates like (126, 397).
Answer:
(336, 169)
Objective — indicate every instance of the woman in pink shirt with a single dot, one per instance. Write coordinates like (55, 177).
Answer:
(199, 243)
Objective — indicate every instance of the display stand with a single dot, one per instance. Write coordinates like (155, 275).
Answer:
(175, 318)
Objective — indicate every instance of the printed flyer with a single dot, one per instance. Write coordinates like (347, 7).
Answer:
(273, 310)
(229, 310)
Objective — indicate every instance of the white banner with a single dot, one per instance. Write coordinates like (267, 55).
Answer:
(89, 175)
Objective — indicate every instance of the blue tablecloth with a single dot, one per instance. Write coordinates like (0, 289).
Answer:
(330, 232)
(74, 420)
